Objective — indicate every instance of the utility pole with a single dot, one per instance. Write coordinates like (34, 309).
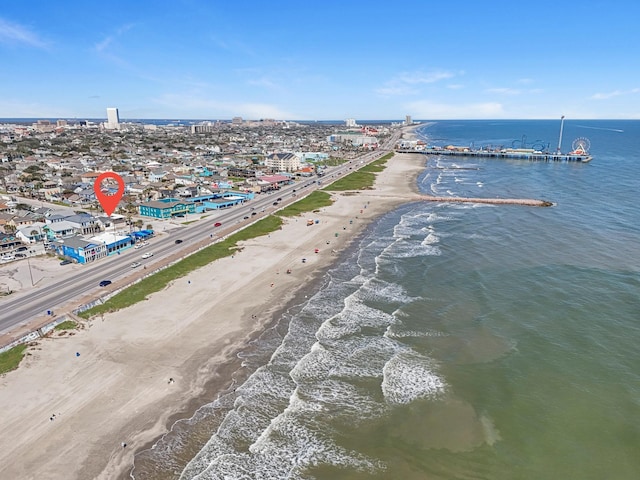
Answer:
(29, 264)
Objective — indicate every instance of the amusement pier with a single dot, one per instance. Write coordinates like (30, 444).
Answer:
(578, 153)
(508, 153)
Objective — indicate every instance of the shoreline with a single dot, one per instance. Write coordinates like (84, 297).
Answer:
(116, 391)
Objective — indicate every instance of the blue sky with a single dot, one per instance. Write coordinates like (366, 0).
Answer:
(323, 60)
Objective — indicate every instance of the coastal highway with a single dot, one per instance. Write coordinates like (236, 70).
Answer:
(23, 307)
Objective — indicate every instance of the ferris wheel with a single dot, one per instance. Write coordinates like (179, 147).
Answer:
(581, 145)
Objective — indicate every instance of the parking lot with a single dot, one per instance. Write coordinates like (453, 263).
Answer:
(22, 273)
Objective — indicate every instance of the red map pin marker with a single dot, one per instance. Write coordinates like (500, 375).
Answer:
(104, 194)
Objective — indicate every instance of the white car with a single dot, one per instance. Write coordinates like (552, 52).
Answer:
(135, 264)
(147, 255)
(7, 258)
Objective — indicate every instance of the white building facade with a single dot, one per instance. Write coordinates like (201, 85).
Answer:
(113, 119)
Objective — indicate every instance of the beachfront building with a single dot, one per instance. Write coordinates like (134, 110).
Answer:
(273, 182)
(9, 240)
(80, 249)
(34, 233)
(356, 140)
(166, 208)
(282, 162)
(113, 242)
(217, 201)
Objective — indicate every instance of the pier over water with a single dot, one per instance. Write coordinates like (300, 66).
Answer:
(531, 156)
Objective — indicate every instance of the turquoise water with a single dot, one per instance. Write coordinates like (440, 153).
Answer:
(464, 341)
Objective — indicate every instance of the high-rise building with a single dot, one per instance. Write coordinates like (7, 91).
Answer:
(408, 121)
(113, 119)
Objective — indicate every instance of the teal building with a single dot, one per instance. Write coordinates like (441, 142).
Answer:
(166, 208)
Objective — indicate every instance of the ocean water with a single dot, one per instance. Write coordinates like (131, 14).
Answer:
(455, 341)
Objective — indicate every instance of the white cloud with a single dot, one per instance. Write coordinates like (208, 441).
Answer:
(109, 39)
(15, 33)
(395, 90)
(615, 93)
(407, 83)
(263, 82)
(194, 105)
(431, 110)
(413, 78)
(31, 109)
(504, 91)
(513, 91)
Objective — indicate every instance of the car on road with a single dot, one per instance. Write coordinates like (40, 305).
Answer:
(7, 258)
(138, 245)
(135, 264)
(22, 249)
(217, 224)
(147, 255)
(246, 217)
(275, 203)
(278, 199)
(65, 262)
(21, 255)
(254, 213)
(178, 241)
(104, 283)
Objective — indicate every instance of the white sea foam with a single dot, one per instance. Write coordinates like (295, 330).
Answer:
(411, 249)
(409, 376)
(394, 331)
(315, 365)
(378, 290)
(366, 357)
(430, 239)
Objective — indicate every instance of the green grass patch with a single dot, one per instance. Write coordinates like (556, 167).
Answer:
(354, 181)
(361, 179)
(66, 325)
(156, 282)
(10, 359)
(311, 202)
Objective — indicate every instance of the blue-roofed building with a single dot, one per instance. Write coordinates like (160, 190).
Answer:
(166, 208)
(79, 249)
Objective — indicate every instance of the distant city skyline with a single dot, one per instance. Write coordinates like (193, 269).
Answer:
(329, 61)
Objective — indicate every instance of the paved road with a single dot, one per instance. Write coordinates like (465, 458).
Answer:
(23, 308)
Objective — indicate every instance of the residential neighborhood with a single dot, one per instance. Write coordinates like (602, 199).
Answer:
(169, 171)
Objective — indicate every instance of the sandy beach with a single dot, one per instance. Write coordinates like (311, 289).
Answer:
(77, 398)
